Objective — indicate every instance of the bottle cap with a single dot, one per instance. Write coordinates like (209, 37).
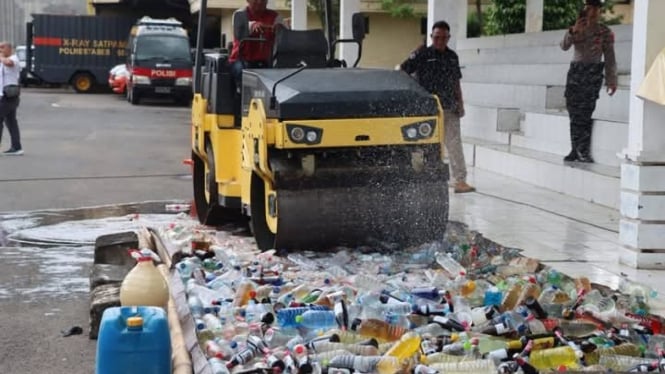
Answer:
(134, 322)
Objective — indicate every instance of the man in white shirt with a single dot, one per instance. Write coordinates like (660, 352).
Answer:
(10, 71)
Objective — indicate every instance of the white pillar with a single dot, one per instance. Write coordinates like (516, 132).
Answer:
(642, 228)
(452, 11)
(534, 15)
(299, 14)
(347, 51)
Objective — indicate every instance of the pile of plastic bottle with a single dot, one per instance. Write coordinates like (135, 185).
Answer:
(462, 305)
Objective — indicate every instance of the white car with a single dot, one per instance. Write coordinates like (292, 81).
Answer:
(26, 77)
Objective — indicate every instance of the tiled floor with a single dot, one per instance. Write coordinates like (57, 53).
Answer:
(574, 236)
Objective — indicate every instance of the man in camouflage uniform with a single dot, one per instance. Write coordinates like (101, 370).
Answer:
(437, 70)
(592, 41)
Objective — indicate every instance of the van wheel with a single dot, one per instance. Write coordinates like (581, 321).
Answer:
(83, 82)
(133, 96)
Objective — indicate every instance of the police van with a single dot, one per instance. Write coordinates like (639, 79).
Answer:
(159, 61)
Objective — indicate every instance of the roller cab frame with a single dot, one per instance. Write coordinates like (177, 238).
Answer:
(323, 155)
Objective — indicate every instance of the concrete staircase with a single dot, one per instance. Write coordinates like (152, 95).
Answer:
(516, 122)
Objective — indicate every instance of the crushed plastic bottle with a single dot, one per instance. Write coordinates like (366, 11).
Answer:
(481, 308)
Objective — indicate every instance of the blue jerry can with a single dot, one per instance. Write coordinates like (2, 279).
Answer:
(133, 339)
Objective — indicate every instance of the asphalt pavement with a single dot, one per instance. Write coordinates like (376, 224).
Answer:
(80, 150)
(83, 150)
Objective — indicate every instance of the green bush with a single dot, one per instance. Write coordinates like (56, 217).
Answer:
(508, 16)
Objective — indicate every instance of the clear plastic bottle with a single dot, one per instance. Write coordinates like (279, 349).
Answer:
(217, 350)
(480, 315)
(185, 269)
(378, 329)
(213, 323)
(369, 283)
(286, 317)
(367, 364)
(244, 293)
(529, 290)
(255, 346)
(325, 357)
(511, 297)
(474, 366)
(624, 364)
(449, 265)
(317, 319)
(356, 349)
(218, 366)
(195, 306)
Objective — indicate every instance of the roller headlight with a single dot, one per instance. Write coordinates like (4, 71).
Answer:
(297, 134)
(418, 131)
(425, 130)
(301, 134)
(311, 136)
(411, 133)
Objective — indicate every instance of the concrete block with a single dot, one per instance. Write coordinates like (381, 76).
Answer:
(642, 178)
(642, 260)
(613, 108)
(113, 249)
(550, 132)
(102, 298)
(483, 123)
(543, 170)
(508, 119)
(524, 97)
(107, 274)
(536, 54)
(555, 98)
(642, 235)
(643, 207)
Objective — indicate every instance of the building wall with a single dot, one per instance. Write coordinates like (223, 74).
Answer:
(14, 14)
(389, 42)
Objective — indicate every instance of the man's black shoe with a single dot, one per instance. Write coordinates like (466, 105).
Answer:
(13, 152)
(585, 158)
(572, 156)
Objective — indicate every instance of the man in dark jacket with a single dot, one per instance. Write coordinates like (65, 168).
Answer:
(438, 71)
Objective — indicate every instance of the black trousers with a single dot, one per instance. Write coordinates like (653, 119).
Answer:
(8, 109)
(582, 91)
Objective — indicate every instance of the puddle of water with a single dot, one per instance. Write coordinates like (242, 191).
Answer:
(49, 254)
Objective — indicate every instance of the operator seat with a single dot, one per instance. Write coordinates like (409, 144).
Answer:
(294, 46)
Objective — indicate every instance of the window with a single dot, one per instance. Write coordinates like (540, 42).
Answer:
(163, 47)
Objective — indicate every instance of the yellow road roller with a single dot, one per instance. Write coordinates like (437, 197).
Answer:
(317, 154)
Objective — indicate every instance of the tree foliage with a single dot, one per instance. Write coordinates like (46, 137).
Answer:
(400, 8)
(509, 16)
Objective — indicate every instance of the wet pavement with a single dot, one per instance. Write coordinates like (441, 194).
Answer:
(46, 257)
(49, 254)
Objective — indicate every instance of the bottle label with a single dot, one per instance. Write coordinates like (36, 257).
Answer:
(501, 328)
